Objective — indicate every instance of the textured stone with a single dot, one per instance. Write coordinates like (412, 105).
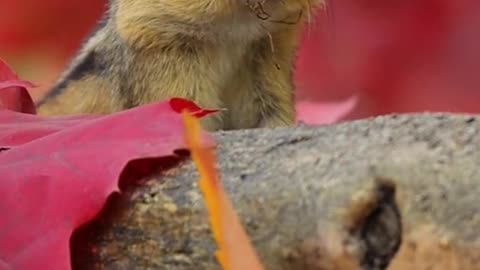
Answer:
(394, 192)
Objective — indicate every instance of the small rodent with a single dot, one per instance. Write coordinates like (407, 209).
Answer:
(233, 54)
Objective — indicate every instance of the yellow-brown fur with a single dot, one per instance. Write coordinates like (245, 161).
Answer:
(232, 54)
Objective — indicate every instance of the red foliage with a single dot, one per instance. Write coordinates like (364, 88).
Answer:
(17, 129)
(57, 173)
(179, 104)
(59, 179)
(398, 56)
(29, 25)
(13, 92)
(316, 113)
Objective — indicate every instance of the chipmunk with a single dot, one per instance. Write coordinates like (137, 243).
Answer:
(231, 54)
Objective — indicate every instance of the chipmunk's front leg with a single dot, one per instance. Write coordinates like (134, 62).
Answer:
(277, 104)
(281, 114)
(277, 93)
(281, 119)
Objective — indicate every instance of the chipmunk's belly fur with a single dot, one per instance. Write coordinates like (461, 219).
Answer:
(214, 77)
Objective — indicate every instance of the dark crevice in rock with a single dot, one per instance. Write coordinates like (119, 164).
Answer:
(381, 231)
(293, 141)
(83, 251)
(138, 172)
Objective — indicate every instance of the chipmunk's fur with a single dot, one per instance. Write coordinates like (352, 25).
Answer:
(232, 54)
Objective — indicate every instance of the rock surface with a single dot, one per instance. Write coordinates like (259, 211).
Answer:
(394, 192)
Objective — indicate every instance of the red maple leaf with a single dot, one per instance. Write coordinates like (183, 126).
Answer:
(53, 184)
(57, 173)
(179, 104)
(323, 113)
(13, 91)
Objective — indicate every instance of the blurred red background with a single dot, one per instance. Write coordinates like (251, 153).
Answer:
(395, 56)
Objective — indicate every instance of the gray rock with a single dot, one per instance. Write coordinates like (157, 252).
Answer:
(333, 197)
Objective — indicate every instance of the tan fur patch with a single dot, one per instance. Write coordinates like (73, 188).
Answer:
(90, 95)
